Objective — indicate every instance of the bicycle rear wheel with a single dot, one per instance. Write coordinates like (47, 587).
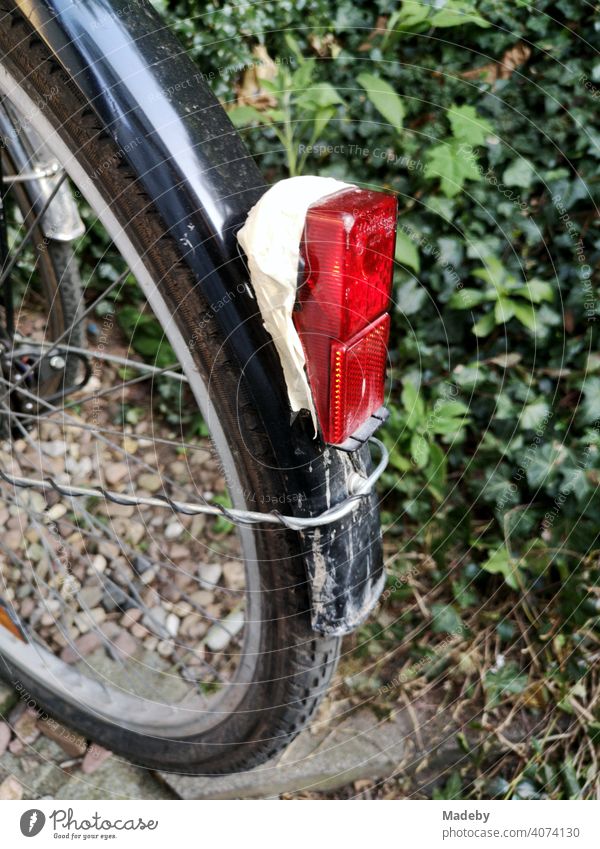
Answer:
(172, 643)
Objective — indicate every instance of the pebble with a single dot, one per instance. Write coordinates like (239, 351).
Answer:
(234, 575)
(172, 624)
(57, 448)
(99, 563)
(70, 742)
(115, 472)
(26, 727)
(91, 595)
(126, 644)
(150, 482)
(4, 737)
(94, 758)
(82, 647)
(220, 635)
(209, 574)
(10, 789)
(174, 530)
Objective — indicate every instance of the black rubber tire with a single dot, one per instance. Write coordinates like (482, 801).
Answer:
(295, 664)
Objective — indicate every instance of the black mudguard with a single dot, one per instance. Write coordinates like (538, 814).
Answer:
(175, 135)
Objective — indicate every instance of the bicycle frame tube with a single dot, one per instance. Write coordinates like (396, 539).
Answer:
(176, 136)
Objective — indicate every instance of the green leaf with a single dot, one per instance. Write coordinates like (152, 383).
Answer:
(467, 126)
(419, 450)
(410, 297)
(504, 310)
(541, 466)
(446, 619)
(413, 404)
(485, 325)
(384, 98)
(507, 680)
(520, 173)
(452, 789)
(457, 13)
(241, 116)
(590, 407)
(536, 290)
(525, 313)
(319, 95)
(406, 251)
(302, 76)
(534, 415)
(452, 167)
(466, 299)
(500, 563)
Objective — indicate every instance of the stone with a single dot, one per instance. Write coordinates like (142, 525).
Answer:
(10, 789)
(125, 644)
(26, 727)
(91, 595)
(234, 575)
(150, 482)
(82, 647)
(70, 742)
(115, 472)
(221, 633)
(172, 624)
(209, 574)
(94, 758)
(174, 530)
(4, 737)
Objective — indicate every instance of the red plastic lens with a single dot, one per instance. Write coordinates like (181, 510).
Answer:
(357, 378)
(348, 250)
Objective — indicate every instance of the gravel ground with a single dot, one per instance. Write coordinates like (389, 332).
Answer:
(123, 592)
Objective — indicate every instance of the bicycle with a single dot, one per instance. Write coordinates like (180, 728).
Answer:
(128, 611)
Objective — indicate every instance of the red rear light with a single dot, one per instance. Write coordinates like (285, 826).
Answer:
(348, 250)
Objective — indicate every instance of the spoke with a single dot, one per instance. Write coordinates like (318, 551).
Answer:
(110, 358)
(80, 316)
(79, 402)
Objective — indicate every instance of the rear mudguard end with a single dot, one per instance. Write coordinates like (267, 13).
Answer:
(195, 169)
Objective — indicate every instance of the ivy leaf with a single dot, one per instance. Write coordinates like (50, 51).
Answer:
(384, 98)
(590, 407)
(519, 173)
(406, 251)
(500, 563)
(410, 297)
(542, 465)
(507, 680)
(445, 619)
(449, 164)
(533, 415)
(467, 126)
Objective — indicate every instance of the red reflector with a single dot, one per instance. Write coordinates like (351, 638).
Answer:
(357, 378)
(348, 251)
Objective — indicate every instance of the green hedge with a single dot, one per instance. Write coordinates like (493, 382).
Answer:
(484, 119)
